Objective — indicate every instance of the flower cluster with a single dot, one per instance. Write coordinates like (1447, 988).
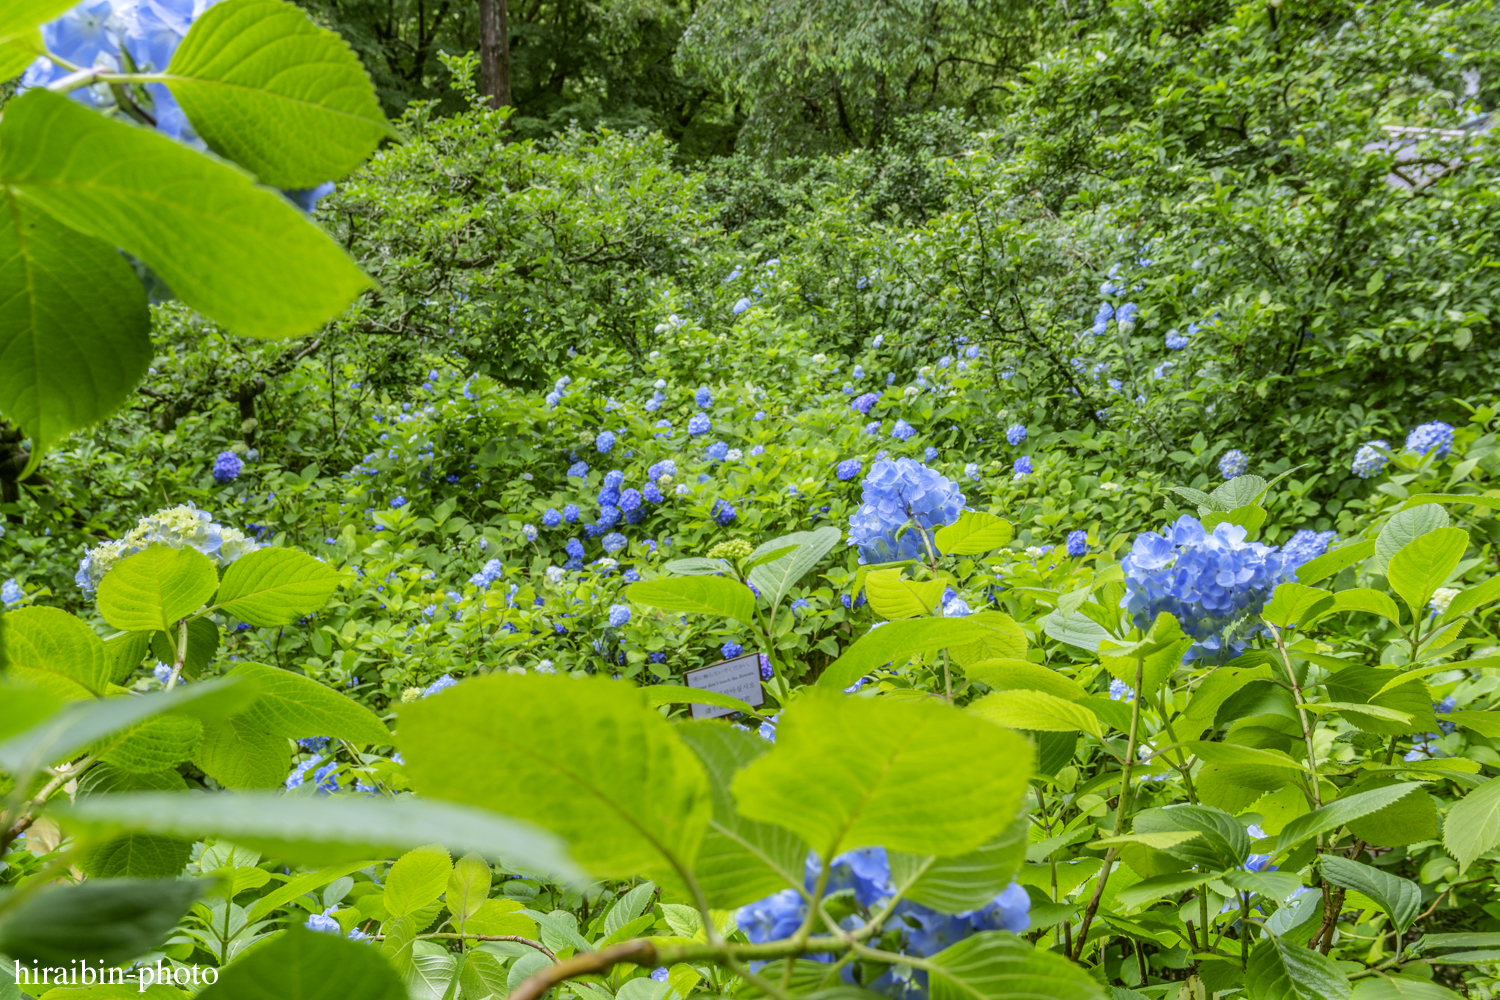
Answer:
(1078, 543)
(1368, 461)
(227, 467)
(848, 469)
(1233, 463)
(1428, 437)
(11, 593)
(904, 502)
(1211, 582)
(176, 527)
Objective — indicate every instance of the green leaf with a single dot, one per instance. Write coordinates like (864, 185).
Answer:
(293, 706)
(136, 855)
(326, 829)
(1075, 629)
(1483, 723)
(303, 965)
(1250, 517)
(1374, 602)
(275, 586)
(777, 577)
(973, 533)
(156, 588)
(17, 51)
(104, 778)
(967, 881)
(1035, 710)
(188, 217)
(1222, 842)
(1337, 813)
(416, 880)
(586, 759)
(676, 694)
(1400, 898)
(1334, 560)
(1012, 675)
(897, 642)
(109, 921)
(202, 644)
(1161, 653)
(1241, 491)
(53, 651)
(1004, 640)
(994, 965)
(237, 753)
(697, 566)
(18, 17)
(1472, 598)
(893, 598)
(1212, 692)
(1205, 502)
(269, 89)
(741, 860)
(1473, 824)
(1477, 500)
(1406, 526)
(1293, 603)
(908, 776)
(1423, 565)
(706, 595)
(300, 886)
(1286, 970)
(74, 325)
(1159, 887)
(1401, 988)
(152, 745)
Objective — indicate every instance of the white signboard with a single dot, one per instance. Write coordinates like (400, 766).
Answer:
(738, 678)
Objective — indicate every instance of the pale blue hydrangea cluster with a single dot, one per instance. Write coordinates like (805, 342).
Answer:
(11, 593)
(1022, 467)
(1078, 543)
(703, 397)
(699, 424)
(1436, 436)
(864, 402)
(176, 527)
(923, 931)
(1368, 461)
(324, 778)
(903, 502)
(1233, 463)
(1015, 434)
(1213, 583)
(1176, 341)
(1306, 544)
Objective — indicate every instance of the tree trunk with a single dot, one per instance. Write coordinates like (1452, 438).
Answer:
(494, 52)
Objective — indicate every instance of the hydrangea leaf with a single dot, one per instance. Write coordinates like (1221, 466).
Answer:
(741, 860)
(1159, 887)
(416, 880)
(1035, 710)
(23, 707)
(1292, 603)
(1075, 629)
(276, 586)
(1400, 898)
(1406, 526)
(189, 217)
(20, 17)
(202, 644)
(1284, 969)
(52, 649)
(777, 577)
(1003, 639)
(301, 885)
(710, 595)
(136, 855)
(152, 745)
(325, 829)
(269, 89)
(1473, 824)
(968, 881)
(108, 921)
(1250, 517)
(1331, 562)
(586, 759)
(1401, 988)
(920, 777)
(894, 598)
(973, 533)
(1375, 602)
(994, 965)
(677, 694)
(468, 886)
(303, 965)
(1424, 564)
(18, 50)
(897, 642)
(1472, 598)
(1222, 843)
(238, 754)
(74, 325)
(156, 588)
(697, 566)
(1341, 811)
(1023, 675)
(1241, 491)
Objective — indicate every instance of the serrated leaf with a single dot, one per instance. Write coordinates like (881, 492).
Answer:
(152, 745)
(136, 855)
(1281, 969)
(468, 886)
(275, 586)
(910, 776)
(54, 651)
(303, 965)
(894, 598)
(1035, 710)
(973, 533)
(1471, 598)
(1405, 526)
(1075, 629)
(1293, 603)
(1374, 602)
(1012, 675)
(108, 921)
(417, 879)
(571, 751)
(269, 89)
(1205, 502)
(1159, 887)
(239, 754)
(1223, 842)
(994, 965)
(629, 906)
(74, 325)
(676, 694)
(1424, 564)
(696, 566)
(1241, 491)
(202, 644)
(777, 577)
(293, 706)
(897, 642)
(704, 595)
(967, 881)
(1473, 824)
(1400, 898)
(18, 17)
(1337, 813)
(156, 587)
(1401, 988)
(1331, 562)
(190, 218)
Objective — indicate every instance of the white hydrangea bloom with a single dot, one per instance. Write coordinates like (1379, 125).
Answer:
(176, 527)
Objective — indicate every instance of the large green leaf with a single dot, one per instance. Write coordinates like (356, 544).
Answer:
(416, 880)
(155, 588)
(74, 326)
(136, 855)
(707, 595)
(1280, 969)
(275, 586)
(52, 650)
(1473, 824)
(897, 642)
(1036, 710)
(1405, 526)
(894, 598)
(1293, 603)
(994, 965)
(1424, 564)
(967, 881)
(1334, 560)
(190, 218)
(741, 860)
(586, 759)
(1076, 629)
(269, 89)
(202, 644)
(777, 577)
(293, 706)
(1472, 598)
(237, 753)
(1221, 842)
(325, 829)
(914, 776)
(1337, 813)
(973, 533)
(1401, 988)
(18, 17)
(152, 745)
(108, 921)
(1023, 675)
(303, 965)
(1400, 898)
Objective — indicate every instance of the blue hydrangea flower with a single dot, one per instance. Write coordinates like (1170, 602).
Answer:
(971, 352)
(487, 576)
(609, 516)
(1305, 545)
(528, 532)
(1427, 437)
(1176, 341)
(574, 548)
(723, 513)
(314, 744)
(613, 542)
(759, 415)
(1101, 319)
(227, 467)
(162, 672)
(552, 399)
(972, 471)
(570, 513)
(699, 424)
(903, 501)
(741, 306)
(579, 469)
(730, 649)
(800, 604)
(1368, 461)
(551, 518)
(1233, 463)
(398, 502)
(864, 402)
(666, 467)
(903, 430)
(1120, 691)
(630, 501)
(443, 683)
(605, 441)
(1078, 543)
(873, 428)
(930, 453)
(1015, 434)
(1126, 315)
(718, 451)
(619, 614)
(657, 657)
(1022, 466)
(651, 494)
(703, 397)
(848, 469)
